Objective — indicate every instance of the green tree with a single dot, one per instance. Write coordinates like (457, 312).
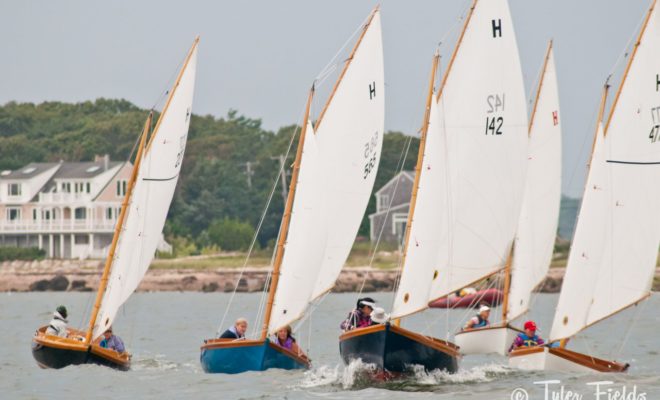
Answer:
(231, 234)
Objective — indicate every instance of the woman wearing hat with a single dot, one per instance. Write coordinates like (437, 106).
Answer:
(480, 320)
(57, 325)
(361, 316)
(527, 339)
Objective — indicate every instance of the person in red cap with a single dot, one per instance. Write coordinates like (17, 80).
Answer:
(527, 339)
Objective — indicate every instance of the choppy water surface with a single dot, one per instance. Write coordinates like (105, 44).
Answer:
(164, 332)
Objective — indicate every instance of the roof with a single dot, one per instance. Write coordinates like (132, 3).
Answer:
(83, 170)
(29, 171)
(407, 174)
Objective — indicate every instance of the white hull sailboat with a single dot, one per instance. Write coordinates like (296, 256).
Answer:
(615, 247)
(537, 226)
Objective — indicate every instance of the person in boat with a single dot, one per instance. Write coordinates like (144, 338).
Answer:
(361, 316)
(57, 325)
(237, 331)
(112, 342)
(527, 339)
(480, 320)
(285, 339)
(379, 316)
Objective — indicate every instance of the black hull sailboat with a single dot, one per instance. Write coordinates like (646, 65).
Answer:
(396, 350)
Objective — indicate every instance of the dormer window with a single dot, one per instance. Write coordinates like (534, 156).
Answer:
(29, 170)
(383, 202)
(121, 188)
(14, 189)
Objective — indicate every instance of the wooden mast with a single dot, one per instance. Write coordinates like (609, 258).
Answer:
(538, 89)
(286, 218)
(509, 260)
(625, 73)
(420, 161)
(348, 62)
(458, 45)
(120, 222)
(171, 93)
(599, 121)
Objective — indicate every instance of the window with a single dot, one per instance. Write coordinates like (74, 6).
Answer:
(81, 239)
(383, 202)
(399, 221)
(45, 214)
(13, 214)
(14, 189)
(34, 214)
(121, 188)
(108, 213)
(66, 187)
(81, 213)
(89, 187)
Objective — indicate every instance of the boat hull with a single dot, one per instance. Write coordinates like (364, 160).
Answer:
(560, 359)
(396, 350)
(57, 352)
(490, 297)
(237, 356)
(489, 340)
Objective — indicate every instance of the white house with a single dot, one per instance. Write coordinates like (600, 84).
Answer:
(68, 209)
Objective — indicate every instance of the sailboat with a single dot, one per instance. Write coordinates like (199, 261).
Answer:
(137, 232)
(537, 226)
(333, 176)
(615, 246)
(467, 191)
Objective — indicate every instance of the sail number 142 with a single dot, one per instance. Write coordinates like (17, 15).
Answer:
(495, 103)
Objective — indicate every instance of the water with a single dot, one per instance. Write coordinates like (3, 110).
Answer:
(164, 332)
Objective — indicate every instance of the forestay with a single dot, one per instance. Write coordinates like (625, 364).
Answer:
(151, 198)
(617, 270)
(483, 112)
(347, 143)
(537, 227)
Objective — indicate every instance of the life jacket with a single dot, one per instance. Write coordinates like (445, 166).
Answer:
(529, 341)
(482, 322)
(288, 343)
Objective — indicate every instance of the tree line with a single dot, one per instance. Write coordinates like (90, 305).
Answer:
(229, 168)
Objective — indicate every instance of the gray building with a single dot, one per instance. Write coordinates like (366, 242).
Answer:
(392, 204)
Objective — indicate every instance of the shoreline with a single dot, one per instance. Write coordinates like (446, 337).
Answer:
(82, 276)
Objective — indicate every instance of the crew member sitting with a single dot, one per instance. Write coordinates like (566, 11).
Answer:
(237, 331)
(527, 339)
(480, 320)
(112, 342)
(285, 340)
(57, 325)
(379, 316)
(361, 316)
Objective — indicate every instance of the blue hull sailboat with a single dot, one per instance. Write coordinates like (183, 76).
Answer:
(331, 183)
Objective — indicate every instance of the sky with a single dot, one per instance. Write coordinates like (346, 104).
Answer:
(261, 57)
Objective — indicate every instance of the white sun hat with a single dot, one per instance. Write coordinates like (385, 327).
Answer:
(379, 316)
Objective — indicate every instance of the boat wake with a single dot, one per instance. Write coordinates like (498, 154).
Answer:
(156, 362)
(358, 375)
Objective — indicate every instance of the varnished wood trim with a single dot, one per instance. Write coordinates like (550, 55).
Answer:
(228, 343)
(343, 72)
(289, 353)
(362, 331)
(588, 361)
(111, 355)
(632, 58)
(524, 351)
(540, 86)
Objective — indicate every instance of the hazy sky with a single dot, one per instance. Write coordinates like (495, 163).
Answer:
(260, 57)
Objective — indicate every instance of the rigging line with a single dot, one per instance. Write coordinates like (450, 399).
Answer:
(332, 64)
(172, 78)
(627, 49)
(457, 22)
(259, 225)
(629, 328)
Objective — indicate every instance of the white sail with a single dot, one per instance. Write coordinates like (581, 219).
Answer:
(537, 227)
(348, 142)
(151, 198)
(624, 260)
(428, 227)
(483, 111)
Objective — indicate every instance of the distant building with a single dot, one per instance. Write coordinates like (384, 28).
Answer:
(390, 221)
(69, 209)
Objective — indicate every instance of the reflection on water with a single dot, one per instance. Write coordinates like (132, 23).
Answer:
(164, 332)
